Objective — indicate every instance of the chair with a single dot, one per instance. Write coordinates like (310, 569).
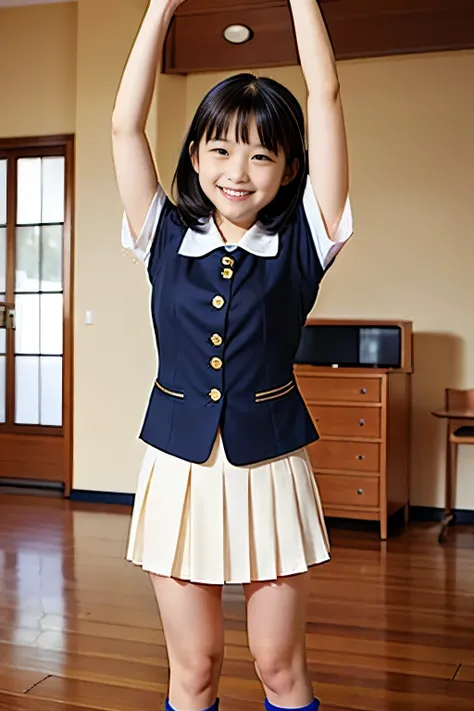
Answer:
(459, 414)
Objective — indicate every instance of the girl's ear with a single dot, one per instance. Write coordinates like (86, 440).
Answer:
(291, 172)
(193, 154)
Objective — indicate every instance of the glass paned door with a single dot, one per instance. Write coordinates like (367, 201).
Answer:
(33, 218)
(39, 291)
(36, 248)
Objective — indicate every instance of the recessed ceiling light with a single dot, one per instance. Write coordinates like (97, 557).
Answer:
(238, 34)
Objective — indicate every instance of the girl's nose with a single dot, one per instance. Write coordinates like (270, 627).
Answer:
(237, 172)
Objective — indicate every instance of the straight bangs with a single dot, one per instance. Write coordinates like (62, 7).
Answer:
(253, 108)
(279, 122)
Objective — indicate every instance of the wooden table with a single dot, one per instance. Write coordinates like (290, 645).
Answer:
(460, 430)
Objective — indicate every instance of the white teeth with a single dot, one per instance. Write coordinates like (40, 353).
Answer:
(235, 193)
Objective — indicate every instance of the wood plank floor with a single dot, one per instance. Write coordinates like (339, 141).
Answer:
(391, 624)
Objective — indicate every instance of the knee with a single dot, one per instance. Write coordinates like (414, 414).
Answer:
(279, 672)
(198, 673)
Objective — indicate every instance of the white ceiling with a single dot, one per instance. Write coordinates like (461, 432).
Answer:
(17, 3)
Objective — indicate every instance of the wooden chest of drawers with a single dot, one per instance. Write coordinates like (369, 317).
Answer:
(361, 462)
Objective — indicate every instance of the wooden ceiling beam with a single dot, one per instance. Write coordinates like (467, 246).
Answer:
(358, 28)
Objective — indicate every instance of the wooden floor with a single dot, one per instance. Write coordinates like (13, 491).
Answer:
(391, 625)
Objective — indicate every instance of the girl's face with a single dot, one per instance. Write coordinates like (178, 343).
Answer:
(240, 179)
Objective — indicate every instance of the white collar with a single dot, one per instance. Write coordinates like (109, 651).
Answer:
(256, 241)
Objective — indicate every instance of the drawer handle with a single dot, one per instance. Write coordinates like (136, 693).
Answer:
(361, 423)
(360, 457)
(360, 492)
(363, 391)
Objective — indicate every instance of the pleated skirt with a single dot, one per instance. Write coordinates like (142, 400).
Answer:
(217, 524)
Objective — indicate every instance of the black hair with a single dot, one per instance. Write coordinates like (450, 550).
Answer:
(280, 124)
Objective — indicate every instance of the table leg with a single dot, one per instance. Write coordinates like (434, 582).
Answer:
(451, 456)
(406, 514)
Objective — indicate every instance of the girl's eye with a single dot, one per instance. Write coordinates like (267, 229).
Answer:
(262, 158)
(220, 151)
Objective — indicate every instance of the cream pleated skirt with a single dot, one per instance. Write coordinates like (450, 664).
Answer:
(216, 523)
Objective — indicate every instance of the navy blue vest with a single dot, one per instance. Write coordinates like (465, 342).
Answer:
(227, 328)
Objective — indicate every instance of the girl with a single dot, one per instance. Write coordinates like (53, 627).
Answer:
(226, 493)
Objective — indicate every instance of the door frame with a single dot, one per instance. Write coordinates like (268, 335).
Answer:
(30, 144)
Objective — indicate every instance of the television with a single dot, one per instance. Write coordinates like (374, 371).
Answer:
(351, 345)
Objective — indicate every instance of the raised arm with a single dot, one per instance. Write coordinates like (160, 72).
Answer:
(135, 170)
(327, 145)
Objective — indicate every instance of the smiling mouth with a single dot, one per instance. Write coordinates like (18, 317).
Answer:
(235, 194)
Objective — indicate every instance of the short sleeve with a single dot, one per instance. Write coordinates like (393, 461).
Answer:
(141, 246)
(326, 248)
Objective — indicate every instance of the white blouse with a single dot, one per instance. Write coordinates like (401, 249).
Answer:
(256, 240)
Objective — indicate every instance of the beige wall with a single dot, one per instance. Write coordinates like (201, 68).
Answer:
(409, 121)
(114, 360)
(38, 70)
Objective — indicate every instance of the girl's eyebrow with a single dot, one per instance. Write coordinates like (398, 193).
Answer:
(226, 140)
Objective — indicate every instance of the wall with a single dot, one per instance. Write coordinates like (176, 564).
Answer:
(410, 127)
(38, 70)
(409, 121)
(114, 360)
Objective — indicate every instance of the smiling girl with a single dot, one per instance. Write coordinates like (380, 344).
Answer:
(226, 493)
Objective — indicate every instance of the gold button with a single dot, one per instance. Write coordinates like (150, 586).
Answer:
(216, 340)
(216, 363)
(218, 302)
(228, 261)
(215, 395)
(227, 273)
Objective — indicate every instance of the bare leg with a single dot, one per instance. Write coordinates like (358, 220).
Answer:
(194, 631)
(276, 615)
